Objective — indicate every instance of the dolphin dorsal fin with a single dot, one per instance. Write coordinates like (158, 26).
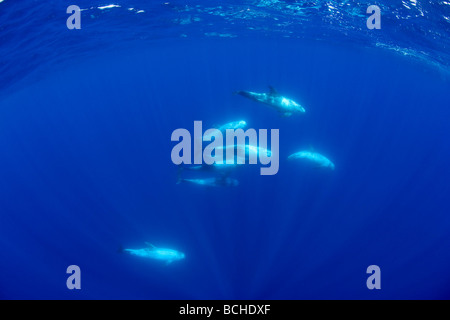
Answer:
(273, 91)
(150, 245)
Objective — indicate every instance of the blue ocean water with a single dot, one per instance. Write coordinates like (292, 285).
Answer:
(86, 118)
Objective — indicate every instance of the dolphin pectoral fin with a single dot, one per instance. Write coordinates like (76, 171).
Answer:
(168, 262)
(285, 115)
(150, 245)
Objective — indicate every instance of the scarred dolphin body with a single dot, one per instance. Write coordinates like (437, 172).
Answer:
(152, 252)
(244, 152)
(320, 161)
(286, 107)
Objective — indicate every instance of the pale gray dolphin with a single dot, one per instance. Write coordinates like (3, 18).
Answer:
(152, 252)
(319, 160)
(283, 105)
(246, 150)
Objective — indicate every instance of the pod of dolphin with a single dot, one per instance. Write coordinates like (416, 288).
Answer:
(285, 107)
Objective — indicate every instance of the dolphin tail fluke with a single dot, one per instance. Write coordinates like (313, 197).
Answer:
(120, 250)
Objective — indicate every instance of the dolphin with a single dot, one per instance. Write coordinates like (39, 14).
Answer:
(242, 154)
(223, 181)
(246, 149)
(230, 125)
(319, 160)
(286, 107)
(216, 166)
(152, 252)
(246, 152)
(222, 129)
(233, 125)
(255, 150)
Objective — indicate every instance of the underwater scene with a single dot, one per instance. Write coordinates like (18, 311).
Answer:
(212, 150)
